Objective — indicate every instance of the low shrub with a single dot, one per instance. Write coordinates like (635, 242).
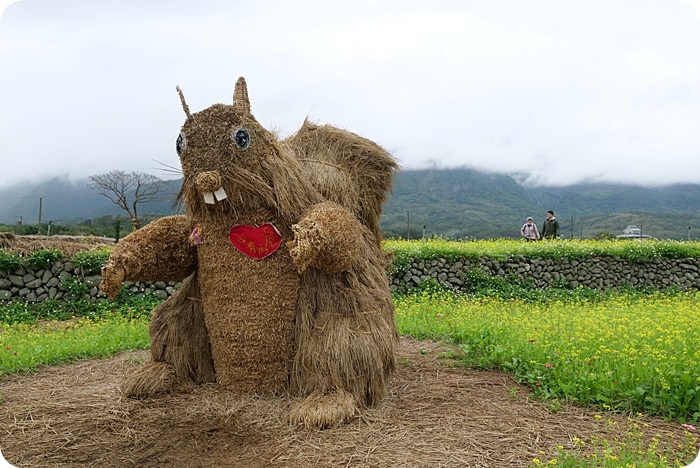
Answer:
(43, 259)
(91, 261)
(9, 261)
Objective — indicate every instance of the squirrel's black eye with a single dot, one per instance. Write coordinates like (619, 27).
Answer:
(180, 143)
(241, 137)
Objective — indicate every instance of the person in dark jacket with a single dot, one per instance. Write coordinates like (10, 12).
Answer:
(550, 226)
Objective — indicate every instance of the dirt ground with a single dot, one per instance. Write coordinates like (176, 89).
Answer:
(435, 416)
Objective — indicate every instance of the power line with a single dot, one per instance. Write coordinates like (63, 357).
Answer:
(46, 196)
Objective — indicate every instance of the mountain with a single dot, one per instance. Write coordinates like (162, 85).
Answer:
(69, 202)
(457, 203)
(465, 203)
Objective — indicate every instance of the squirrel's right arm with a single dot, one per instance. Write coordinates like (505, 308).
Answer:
(160, 251)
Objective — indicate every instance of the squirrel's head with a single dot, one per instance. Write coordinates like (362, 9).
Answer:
(230, 163)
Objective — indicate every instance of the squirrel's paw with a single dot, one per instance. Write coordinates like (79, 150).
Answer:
(112, 279)
(307, 243)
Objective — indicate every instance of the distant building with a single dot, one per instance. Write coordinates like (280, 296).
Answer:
(632, 232)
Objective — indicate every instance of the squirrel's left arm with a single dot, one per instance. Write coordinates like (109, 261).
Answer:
(327, 237)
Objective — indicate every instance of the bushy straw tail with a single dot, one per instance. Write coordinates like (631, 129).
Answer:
(346, 169)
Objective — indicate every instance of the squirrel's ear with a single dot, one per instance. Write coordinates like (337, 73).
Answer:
(240, 96)
(185, 107)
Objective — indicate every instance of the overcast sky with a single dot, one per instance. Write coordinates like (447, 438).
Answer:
(558, 91)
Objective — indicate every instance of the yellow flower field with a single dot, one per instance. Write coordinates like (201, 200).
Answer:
(628, 353)
(26, 346)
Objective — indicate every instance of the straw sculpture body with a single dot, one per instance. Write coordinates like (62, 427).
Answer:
(284, 282)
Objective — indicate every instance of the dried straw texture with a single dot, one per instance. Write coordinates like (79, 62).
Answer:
(68, 245)
(347, 169)
(180, 352)
(323, 410)
(345, 329)
(264, 175)
(151, 379)
(318, 309)
(249, 308)
(434, 416)
(158, 252)
(249, 305)
(327, 237)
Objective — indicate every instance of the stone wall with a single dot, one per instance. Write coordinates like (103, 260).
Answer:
(594, 272)
(37, 285)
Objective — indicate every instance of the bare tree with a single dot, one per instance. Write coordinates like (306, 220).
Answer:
(127, 190)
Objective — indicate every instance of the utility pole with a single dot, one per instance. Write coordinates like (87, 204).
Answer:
(408, 225)
(688, 232)
(572, 225)
(38, 228)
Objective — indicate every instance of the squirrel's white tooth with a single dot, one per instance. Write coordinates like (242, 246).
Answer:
(209, 198)
(220, 194)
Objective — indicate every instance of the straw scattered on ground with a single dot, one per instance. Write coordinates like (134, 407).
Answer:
(73, 415)
(68, 245)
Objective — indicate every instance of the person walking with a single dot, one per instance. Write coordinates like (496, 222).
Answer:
(529, 231)
(550, 226)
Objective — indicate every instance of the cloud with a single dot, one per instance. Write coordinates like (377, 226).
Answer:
(560, 91)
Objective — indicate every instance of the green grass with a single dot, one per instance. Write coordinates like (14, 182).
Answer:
(24, 347)
(630, 353)
(20, 311)
(621, 350)
(629, 449)
(631, 250)
(52, 332)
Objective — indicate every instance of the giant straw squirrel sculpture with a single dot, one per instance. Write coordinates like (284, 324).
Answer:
(284, 288)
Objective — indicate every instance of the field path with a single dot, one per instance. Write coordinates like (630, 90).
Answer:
(74, 415)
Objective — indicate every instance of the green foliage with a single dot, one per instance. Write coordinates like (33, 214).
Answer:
(430, 287)
(400, 260)
(32, 334)
(43, 258)
(631, 449)
(9, 261)
(20, 311)
(135, 307)
(631, 250)
(117, 229)
(479, 282)
(25, 347)
(91, 261)
(604, 236)
(627, 352)
(17, 312)
(129, 306)
(75, 287)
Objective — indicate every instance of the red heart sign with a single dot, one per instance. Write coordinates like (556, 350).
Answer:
(255, 241)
